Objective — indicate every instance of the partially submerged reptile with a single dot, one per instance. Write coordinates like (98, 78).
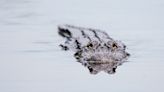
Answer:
(94, 48)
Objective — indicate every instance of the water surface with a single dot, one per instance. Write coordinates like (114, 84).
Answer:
(31, 61)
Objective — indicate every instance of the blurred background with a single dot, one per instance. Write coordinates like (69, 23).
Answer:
(31, 60)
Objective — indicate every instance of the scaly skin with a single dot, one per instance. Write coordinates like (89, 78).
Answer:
(93, 48)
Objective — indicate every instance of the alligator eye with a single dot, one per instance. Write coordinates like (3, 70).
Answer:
(90, 45)
(114, 45)
(95, 43)
(77, 55)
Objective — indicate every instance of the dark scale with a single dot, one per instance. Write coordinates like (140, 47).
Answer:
(77, 44)
(64, 47)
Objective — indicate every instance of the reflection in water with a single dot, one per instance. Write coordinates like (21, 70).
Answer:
(94, 48)
(108, 67)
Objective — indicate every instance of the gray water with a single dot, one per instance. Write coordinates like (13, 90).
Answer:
(31, 61)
